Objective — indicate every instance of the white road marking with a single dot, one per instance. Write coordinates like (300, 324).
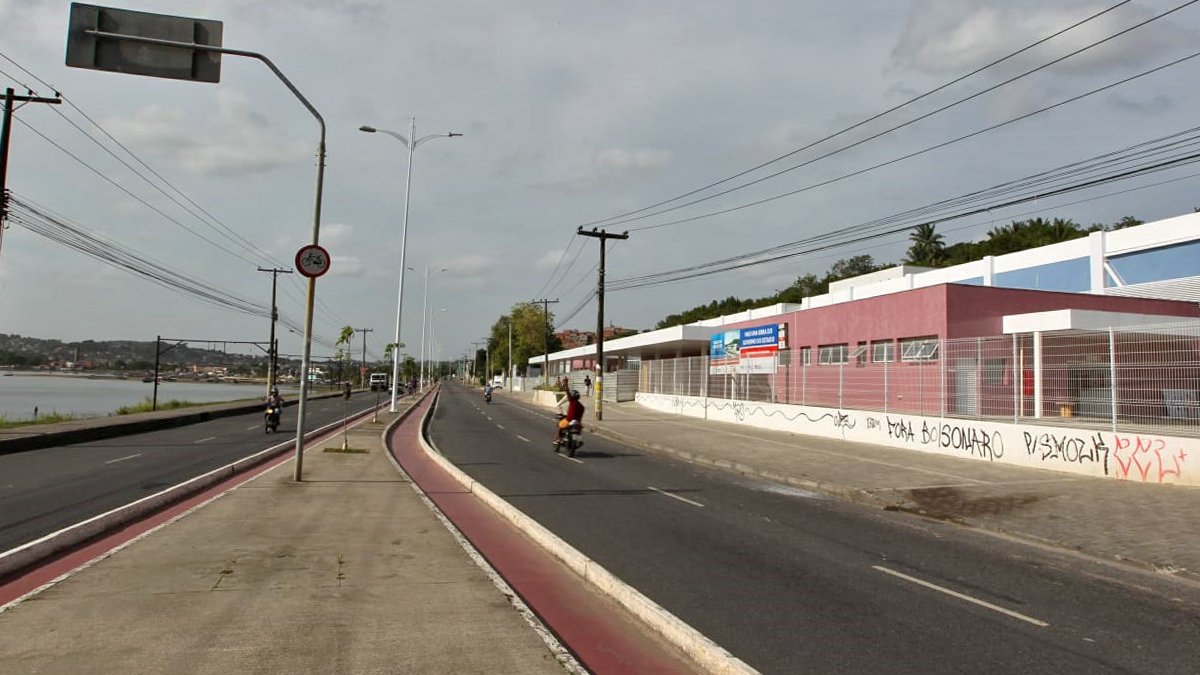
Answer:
(204, 440)
(572, 459)
(499, 426)
(682, 499)
(122, 459)
(524, 439)
(996, 608)
(252, 428)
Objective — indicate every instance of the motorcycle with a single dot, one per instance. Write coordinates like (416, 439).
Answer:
(487, 396)
(271, 419)
(569, 437)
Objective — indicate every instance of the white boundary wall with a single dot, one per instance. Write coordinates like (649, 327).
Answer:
(1138, 457)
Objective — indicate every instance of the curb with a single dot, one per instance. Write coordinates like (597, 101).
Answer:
(39, 440)
(894, 502)
(704, 652)
(31, 553)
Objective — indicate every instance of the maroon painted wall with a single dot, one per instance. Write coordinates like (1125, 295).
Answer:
(979, 310)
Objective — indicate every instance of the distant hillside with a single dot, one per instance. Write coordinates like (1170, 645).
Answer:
(20, 351)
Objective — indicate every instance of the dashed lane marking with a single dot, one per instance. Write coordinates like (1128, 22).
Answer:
(668, 494)
(122, 459)
(500, 427)
(205, 440)
(524, 439)
(961, 596)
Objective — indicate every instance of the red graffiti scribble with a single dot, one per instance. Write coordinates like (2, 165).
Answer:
(1145, 457)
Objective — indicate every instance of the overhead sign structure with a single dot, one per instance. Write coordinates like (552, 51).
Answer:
(746, 350)
(312, 260)
(88, 48)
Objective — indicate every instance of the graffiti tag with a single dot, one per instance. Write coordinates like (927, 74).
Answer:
(1146, 458)
(1069, 449)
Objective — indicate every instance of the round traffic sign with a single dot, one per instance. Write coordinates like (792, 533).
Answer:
(312, 261)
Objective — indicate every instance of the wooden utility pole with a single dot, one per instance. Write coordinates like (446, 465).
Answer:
(10, 97)
(603, 236)
(273, 349)
(363, 370)
(546, 344)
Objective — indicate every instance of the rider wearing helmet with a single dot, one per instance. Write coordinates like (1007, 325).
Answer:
(574, 414)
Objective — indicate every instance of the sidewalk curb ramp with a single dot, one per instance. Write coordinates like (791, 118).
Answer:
(704, 652)
(30, 554)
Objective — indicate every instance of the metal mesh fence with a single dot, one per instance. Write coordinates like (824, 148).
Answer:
(1131, 379)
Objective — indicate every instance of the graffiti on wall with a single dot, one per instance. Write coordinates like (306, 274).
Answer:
(1065, 447)
(1146, 458)
(973, 441)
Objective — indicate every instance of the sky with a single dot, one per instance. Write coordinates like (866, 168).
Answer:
(572, 113)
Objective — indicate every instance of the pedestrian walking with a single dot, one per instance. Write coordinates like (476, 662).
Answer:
(587, 384)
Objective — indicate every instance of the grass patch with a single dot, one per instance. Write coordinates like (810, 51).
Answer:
(51, 418)
(146, 405)
(347, 451)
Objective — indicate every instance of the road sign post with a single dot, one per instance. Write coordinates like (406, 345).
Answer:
(159, 45)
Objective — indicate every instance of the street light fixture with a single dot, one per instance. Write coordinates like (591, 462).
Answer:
(412, 146)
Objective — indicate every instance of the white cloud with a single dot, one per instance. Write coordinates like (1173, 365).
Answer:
(237, 141)
(346, 266)
(549, 260)
(620, 159)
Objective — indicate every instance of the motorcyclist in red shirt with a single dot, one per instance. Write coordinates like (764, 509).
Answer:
(574, 413)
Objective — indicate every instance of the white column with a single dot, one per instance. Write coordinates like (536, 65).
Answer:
(1096, 255)
(1037, 373)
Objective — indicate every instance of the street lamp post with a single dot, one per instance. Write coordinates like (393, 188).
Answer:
(424, 313)
(411, 142)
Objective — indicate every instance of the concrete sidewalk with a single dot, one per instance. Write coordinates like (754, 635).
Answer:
(1154, 526)
(347, 572)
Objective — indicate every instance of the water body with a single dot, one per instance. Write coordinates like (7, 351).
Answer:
(83, 396)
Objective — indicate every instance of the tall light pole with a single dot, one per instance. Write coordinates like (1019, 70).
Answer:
(424, 313)
(411, 142)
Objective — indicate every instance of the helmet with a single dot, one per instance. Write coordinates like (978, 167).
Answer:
(574, 393)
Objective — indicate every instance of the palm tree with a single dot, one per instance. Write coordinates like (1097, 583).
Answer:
(928, 247)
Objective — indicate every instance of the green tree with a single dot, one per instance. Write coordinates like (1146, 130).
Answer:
(928, 247)
(529, 322)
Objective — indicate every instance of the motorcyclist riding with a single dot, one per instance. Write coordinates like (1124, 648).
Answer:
(574, 415)
(487, 393)
(274, 408)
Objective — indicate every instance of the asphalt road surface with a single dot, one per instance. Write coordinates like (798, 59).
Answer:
(43, 491)
(793, 582)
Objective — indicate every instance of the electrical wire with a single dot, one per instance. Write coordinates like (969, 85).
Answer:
(821, 242)
(877, 135)
(922, 151)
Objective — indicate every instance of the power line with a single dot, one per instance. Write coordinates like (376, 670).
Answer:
(749, 260)
(863, 122)
(879, 134)
(923, 151)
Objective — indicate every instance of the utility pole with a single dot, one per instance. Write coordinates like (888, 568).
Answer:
(546, 349)
(487, 361)
(10, 97)
(273, 350)
(603, 236)
(510, 370)
(363, 369)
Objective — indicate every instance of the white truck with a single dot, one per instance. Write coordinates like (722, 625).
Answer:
(379, 381)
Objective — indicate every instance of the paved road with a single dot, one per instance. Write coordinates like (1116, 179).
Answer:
(793, 582)
(42, 491)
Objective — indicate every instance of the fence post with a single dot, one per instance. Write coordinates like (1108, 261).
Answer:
(675, 376)
(804, 383)
(979, 378)
(841, 380)
(942, 351)
(886, 395)
(1112, 374)
(1016, 378)
(691, 362)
